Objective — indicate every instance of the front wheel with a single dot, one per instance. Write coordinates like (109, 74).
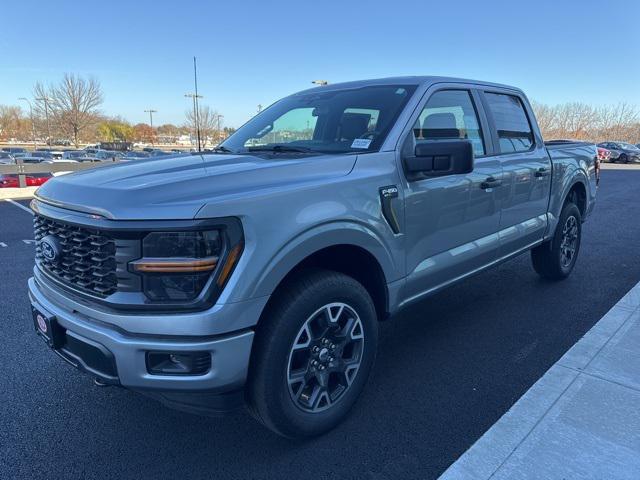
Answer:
(312, 355)
(556, 258)
(623, 158)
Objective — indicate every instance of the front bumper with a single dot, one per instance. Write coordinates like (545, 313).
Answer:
(117, 357)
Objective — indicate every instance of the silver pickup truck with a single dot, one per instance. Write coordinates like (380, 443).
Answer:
(256, 274)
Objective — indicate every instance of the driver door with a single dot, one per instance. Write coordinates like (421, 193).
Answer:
(452, 221)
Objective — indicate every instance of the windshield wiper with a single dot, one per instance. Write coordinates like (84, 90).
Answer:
(280, 148)
(222, 149)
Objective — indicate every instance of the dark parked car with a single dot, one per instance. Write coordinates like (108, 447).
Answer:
(13, 150)
(30, 158)
(622, 152)
(43, 154)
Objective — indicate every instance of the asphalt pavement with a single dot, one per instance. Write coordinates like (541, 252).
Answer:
(447, 370)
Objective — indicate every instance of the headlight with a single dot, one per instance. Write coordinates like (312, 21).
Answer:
(179, 266)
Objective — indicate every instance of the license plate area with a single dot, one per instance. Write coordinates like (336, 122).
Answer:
(48, 328)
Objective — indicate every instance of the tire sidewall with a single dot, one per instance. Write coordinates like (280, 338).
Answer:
(570, 209)
(292, 419)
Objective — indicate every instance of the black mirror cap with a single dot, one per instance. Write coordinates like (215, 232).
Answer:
(439, 158)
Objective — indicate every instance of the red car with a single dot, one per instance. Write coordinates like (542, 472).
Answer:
(34, 180)
(603, 154)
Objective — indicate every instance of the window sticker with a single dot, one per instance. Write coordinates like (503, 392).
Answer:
(361, 143)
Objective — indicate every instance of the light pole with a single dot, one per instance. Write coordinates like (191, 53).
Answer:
(218, 117)
(151, 112)
(320, 83)
(46, 115)
(33, 128)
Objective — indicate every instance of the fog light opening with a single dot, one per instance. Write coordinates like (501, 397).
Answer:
(178, 363)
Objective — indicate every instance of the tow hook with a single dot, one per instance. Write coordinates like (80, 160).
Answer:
(99, 383)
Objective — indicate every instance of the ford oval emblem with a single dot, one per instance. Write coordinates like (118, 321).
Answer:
(42, 324)
(50, 248)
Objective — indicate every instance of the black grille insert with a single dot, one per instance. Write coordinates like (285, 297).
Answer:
(87, 260)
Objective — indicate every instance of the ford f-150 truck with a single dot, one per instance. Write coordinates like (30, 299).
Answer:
(256, 274)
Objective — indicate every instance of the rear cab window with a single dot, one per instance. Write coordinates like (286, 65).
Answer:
(512, 124)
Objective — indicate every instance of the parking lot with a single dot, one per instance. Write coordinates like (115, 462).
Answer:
(447, 369)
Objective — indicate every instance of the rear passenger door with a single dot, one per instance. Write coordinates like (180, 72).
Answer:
(526, 170)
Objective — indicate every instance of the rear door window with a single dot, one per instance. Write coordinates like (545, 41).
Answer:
(511, 122)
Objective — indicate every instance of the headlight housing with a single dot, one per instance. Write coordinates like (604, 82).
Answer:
(186, 266)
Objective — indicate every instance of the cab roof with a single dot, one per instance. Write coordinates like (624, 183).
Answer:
(404, 80)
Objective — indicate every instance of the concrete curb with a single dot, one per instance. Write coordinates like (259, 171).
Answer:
(578, 420)
(17, 193)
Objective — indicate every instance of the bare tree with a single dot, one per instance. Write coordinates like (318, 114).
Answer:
(546, 116)
(585, 122)
(208, 120)
(72, 104)
(14, 123)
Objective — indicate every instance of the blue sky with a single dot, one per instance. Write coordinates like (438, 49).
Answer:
(252, 53)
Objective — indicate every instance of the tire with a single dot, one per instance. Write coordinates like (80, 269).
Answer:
(555, 259)
(623, 158)
(285, 387)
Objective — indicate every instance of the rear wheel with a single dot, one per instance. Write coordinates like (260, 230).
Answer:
(556, 258)
(312, 355)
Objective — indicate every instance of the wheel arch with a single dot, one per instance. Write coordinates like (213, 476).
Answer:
(577, 194)
(349, 249)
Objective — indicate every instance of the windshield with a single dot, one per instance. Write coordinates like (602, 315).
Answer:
(331, 121)
(627, 146)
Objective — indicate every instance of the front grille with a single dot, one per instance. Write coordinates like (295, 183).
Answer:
(87, 260)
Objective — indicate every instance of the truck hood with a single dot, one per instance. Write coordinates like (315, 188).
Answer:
(177, 187)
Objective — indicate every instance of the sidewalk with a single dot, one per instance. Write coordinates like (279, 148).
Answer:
(581, 420)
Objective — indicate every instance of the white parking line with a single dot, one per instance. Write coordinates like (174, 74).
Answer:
(19, 205)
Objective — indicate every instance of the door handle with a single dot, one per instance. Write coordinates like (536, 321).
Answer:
(543, 172)
(490, 182)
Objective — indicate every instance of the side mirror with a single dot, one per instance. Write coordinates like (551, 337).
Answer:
(435, 159)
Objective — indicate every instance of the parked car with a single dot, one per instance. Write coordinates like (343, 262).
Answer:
(43, 154)
(49, 151)
(622, 152)
(161, 153)
(32, 180)
(30, 158)
(258, 273)
(59, 160)
(603, 154)
(134, 155)
(106, 155)
(14, 150)
(6, 158)
(74, 155)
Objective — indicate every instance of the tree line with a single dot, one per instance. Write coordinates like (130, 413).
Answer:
(581, 121)
(69, 111)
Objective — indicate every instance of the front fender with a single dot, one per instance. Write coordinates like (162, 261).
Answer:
(318, 238)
